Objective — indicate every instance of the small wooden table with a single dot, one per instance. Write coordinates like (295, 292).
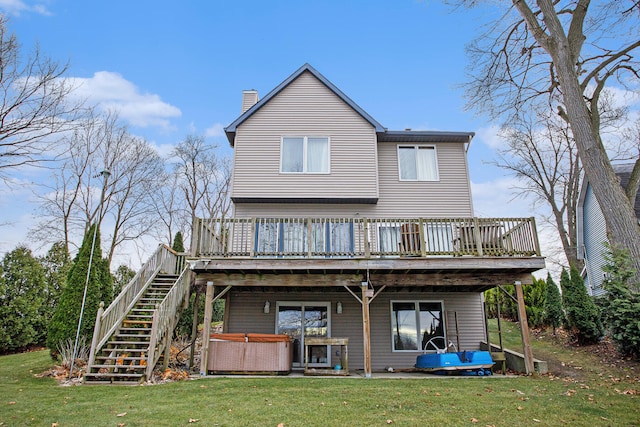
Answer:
(344, 355)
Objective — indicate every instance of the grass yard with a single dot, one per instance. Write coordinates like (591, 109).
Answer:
(589, 392)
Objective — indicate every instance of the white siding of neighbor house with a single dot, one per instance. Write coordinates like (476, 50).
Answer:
(306, 107)
(246, 315)
(595, 234)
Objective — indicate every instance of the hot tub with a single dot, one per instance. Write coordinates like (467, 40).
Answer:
(249, 354)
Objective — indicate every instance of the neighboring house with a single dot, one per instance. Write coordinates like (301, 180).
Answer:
(592, 231)
(344, 229)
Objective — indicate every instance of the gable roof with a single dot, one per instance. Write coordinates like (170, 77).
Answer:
(231, 129)
(623, 172)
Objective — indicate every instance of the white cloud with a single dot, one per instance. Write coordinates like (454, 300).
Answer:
(17, 7)
(215, 130)
(164, 150)
(111, 91)
(499, 198)
(619, 96)
(489, 137)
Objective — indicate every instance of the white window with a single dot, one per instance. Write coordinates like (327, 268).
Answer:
(417, 325)
(390, 239)
(439, 237)
(290, 238)
(304, 155)
(417, 163)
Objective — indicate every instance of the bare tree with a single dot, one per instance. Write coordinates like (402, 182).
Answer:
(34, 104)
(68, 202)
(569, 50)
(168, 204)
(217, 201)
(632, 135)
(71, 204)
(541, 153)
(204, 178)
(136, 169)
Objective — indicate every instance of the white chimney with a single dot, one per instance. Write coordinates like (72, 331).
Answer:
(249, 99)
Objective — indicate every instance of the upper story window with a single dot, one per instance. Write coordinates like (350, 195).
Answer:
(305, 155)
(417, 163)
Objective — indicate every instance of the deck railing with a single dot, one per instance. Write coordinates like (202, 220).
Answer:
(165, 319)
(107, 320)
(295, 237)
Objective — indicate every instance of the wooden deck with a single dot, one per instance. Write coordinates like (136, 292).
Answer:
(449, 253)
(367, 238)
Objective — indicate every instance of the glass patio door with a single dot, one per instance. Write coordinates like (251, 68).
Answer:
(301, 320)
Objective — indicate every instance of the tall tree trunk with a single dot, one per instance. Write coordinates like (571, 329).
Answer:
(622, 224)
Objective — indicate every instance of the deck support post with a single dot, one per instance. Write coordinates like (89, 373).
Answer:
(206, 329)
(524, 330)
(366, 328)
(194, 326)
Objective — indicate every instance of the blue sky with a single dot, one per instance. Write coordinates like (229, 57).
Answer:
(175, 68)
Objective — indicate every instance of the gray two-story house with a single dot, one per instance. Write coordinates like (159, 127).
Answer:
(344, 229)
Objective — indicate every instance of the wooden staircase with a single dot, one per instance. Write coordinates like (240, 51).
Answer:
(124, 357)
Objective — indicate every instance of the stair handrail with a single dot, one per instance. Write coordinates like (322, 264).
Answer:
(108, 320)
(165, 318)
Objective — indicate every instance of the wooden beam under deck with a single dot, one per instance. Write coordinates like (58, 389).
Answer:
(449, 279)
(439, 274)
(350, 264)
(302, 280)
(285, 280)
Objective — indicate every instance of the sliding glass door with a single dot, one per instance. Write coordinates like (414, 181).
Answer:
(300, 320)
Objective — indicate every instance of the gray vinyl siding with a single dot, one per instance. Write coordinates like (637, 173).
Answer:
(305, 108)
(246, 315)
(448, 197)
(595, 234)
(468, 307)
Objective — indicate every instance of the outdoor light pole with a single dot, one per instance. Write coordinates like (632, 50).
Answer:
(105, 175)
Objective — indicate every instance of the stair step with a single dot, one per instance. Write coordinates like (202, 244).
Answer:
(131, 330)
(127, 342)
(119, 335)
(126, 358)
(121, 366)
(116, 383)
(113, 375)
(137, 322)
(126, 350)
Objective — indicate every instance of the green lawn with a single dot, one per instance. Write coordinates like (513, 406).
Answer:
(592, 398)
